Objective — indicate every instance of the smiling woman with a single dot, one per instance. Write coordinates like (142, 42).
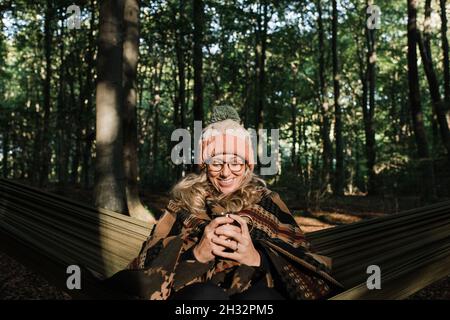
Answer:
(224, 235)
(226, 172)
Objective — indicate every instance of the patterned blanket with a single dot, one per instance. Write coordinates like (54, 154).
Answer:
(166, 264)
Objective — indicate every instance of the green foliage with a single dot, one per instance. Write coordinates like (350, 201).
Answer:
(232, 38)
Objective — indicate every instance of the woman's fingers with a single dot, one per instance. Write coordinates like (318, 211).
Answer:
(228, 227)
(242, 222)
(219, 221)
(237, 236)
(226, 243)
(217, 247)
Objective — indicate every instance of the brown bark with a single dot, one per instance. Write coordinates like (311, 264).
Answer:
(89, 84)
(248, 86)
(155, 135)
(260, 70)
(181, 65)
(198, 59)
(4, 119)
(301, 138)
(339, 174)
(130, 62)
(433, 84)
(363, 75)
(294, 132)
(425, 162)
(175, 99)
(155, 114)
(34, 168)
(261, 46)
(445, 55)
(61, 144)
(110, 181)
(5, 148)
(179, 73)
(369, 110)
(45, 144)
(327, 148)
(78, 119)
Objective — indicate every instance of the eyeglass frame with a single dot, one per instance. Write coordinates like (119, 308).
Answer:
(207, 164)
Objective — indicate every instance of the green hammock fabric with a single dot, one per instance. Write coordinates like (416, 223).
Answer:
(48, 233)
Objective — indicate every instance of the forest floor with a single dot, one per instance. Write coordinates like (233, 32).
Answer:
(18, 282)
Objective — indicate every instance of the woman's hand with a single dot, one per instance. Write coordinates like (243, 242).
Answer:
(244, 250)
(203, 251)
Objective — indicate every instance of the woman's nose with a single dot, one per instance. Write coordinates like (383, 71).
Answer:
(225, 171)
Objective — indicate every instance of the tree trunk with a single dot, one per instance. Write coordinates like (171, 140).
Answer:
(446, 59)
(368, 113)
(248, 86)
(110, 180)
(294, 133)
(155, 116)
(260, 72)
(4, 119)
(367, 122)
(180, 93)
(327, 149)
(5, 147)
(79, 111)
(339, 174)
(262, 67)
(425, 164)
(433, 84)
(364, 63)
(89, 135)
(130, 62)
(426, 41)
(45, 145)
(14, 151)
(175, 98)
(73, 120)
(198, 59)
(35, 167)
(61, 144)
(181, 65)
(155, 137)
(299, 163)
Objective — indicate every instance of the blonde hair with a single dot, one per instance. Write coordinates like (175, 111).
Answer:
(191, 192)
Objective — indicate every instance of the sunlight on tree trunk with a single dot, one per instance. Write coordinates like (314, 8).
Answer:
(130, 61)
(110, 180)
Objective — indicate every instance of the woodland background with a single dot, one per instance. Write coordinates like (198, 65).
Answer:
(363, 112)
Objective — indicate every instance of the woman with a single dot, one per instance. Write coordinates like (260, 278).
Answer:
(224, 235)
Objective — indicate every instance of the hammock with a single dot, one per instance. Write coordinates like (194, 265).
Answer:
(47, 233)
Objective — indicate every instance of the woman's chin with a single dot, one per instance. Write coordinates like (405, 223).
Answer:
(227, 189)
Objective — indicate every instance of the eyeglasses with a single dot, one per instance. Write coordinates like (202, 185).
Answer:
(217, 165)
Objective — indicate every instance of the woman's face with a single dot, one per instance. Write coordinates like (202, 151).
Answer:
(226, 172)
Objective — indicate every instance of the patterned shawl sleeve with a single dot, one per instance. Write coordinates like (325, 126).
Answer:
(166, 252)
(299, 271)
